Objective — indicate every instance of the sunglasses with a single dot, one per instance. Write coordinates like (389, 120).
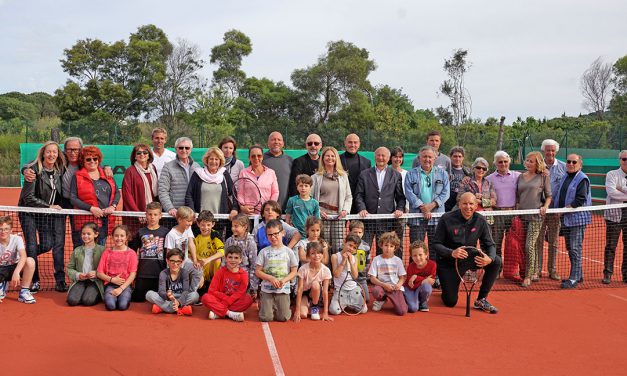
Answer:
(256, 155)
(502, 162)
(91, 160)
(428, 181)
(624, 159)
(184, 147)
(312, 143)
(568, 161)
(481, 168)
(144, 152)
(72, 150)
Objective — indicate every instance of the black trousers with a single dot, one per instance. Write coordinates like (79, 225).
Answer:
(449, 281)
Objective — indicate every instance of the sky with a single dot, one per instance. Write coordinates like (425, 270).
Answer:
(527, 56)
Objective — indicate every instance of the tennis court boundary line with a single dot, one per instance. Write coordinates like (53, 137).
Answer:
(618, 297)
(274, 355)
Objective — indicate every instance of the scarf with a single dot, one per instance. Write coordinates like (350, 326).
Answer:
(332, 176)
(208, 177)
(148, 190)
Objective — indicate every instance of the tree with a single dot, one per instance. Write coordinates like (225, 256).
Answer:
(116, 78)
(182, 84)
(228, 56)
(455, 89)
(211, 116)
(595, 85)
(325, 86)
(618, 104)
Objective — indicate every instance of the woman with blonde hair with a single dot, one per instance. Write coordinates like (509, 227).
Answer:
(533, 191)
(45, 192)
(331, 189)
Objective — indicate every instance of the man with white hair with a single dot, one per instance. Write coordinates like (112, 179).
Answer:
(281, 163)
(307, 163)
(380, 191)
(175, 176)
(504, 182)
(551, 223)
(615, 219)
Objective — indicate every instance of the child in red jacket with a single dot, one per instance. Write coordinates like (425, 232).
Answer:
(227, 293)
(420, 278)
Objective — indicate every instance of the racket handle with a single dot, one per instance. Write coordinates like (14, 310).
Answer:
(468, 305)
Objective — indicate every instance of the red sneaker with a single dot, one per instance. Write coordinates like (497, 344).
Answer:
(156, 309)
(187, 310)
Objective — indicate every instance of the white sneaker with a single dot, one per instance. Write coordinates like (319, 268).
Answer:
(365, 309)
(26, 297)
(315, 313)
(377, 305)
(212, 316)
(236, 316)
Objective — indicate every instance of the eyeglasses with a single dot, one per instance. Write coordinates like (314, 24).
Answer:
(91, 160)
(184, 147)
(624, 159)
(428, 181)
(176, 262)
(142, 152)
(273, 235)
(256, 155)
(568, 161)
(72, 150)
(502, 162)
(5, 229)
(312, 143)
(481, 168)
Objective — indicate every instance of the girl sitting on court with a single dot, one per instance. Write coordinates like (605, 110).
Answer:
(86, 289)
(313, 286)
(420, 278)
(118, 268)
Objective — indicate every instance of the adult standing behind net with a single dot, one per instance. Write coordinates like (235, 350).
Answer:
(92, 191)
(332, 190)
(456, 229)
(434, 139)
(281, 164)
(211, 188)
(160, 154)
(174, 177)
(45, 192)
(307, 163)
(504, 182)
(353, 163)
(480, 187)
(533, 192)
(615, 219)
(140, 185)
(265, 178)
(573, 192)
(459, 176)
(233, 166)
(551, 224)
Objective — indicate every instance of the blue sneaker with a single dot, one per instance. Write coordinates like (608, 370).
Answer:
(315, 312)
(423, 307)
(3, 289)
(26, 297)
(485, 306)
(568, 284)
(35, 287)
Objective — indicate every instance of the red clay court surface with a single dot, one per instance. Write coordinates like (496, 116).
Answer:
(581, 332)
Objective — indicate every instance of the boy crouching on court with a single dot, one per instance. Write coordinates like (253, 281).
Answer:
(276, 267)
(387, 274)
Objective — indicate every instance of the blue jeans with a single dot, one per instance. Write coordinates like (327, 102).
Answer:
(574, 245)
(418, 232)
(417, 297)
(120, 302)
(51, 230)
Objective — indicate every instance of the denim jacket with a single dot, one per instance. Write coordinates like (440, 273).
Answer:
(439, 189)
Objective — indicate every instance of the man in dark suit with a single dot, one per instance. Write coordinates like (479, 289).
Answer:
(353, 164)
(380, 191)
(308, 163)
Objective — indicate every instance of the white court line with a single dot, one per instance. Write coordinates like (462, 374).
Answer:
(584, 258)
(276, 362)
(618, 297)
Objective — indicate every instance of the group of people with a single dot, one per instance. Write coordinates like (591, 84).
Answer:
(320, 185)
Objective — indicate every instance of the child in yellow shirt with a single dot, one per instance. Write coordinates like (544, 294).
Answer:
(209, 246)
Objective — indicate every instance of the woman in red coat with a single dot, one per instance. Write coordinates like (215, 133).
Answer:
(139, 187)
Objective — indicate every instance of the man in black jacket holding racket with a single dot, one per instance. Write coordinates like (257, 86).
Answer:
(455, 230)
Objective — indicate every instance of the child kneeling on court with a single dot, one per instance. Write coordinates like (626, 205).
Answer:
(85, 289)
(227, 293)
(15, 267)
(387, 274)
(313, 285)
(118, 268)
(345, 273)
(174, 294)
(276, 267)
(420, 278)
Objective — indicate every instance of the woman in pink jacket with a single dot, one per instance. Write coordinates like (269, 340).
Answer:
(264, 177)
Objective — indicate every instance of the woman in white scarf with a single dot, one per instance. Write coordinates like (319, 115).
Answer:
(211, 187)
(139, 187)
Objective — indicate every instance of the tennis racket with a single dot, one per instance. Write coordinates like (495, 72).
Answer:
(351, 296)
(469, 273)
(247, 192)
